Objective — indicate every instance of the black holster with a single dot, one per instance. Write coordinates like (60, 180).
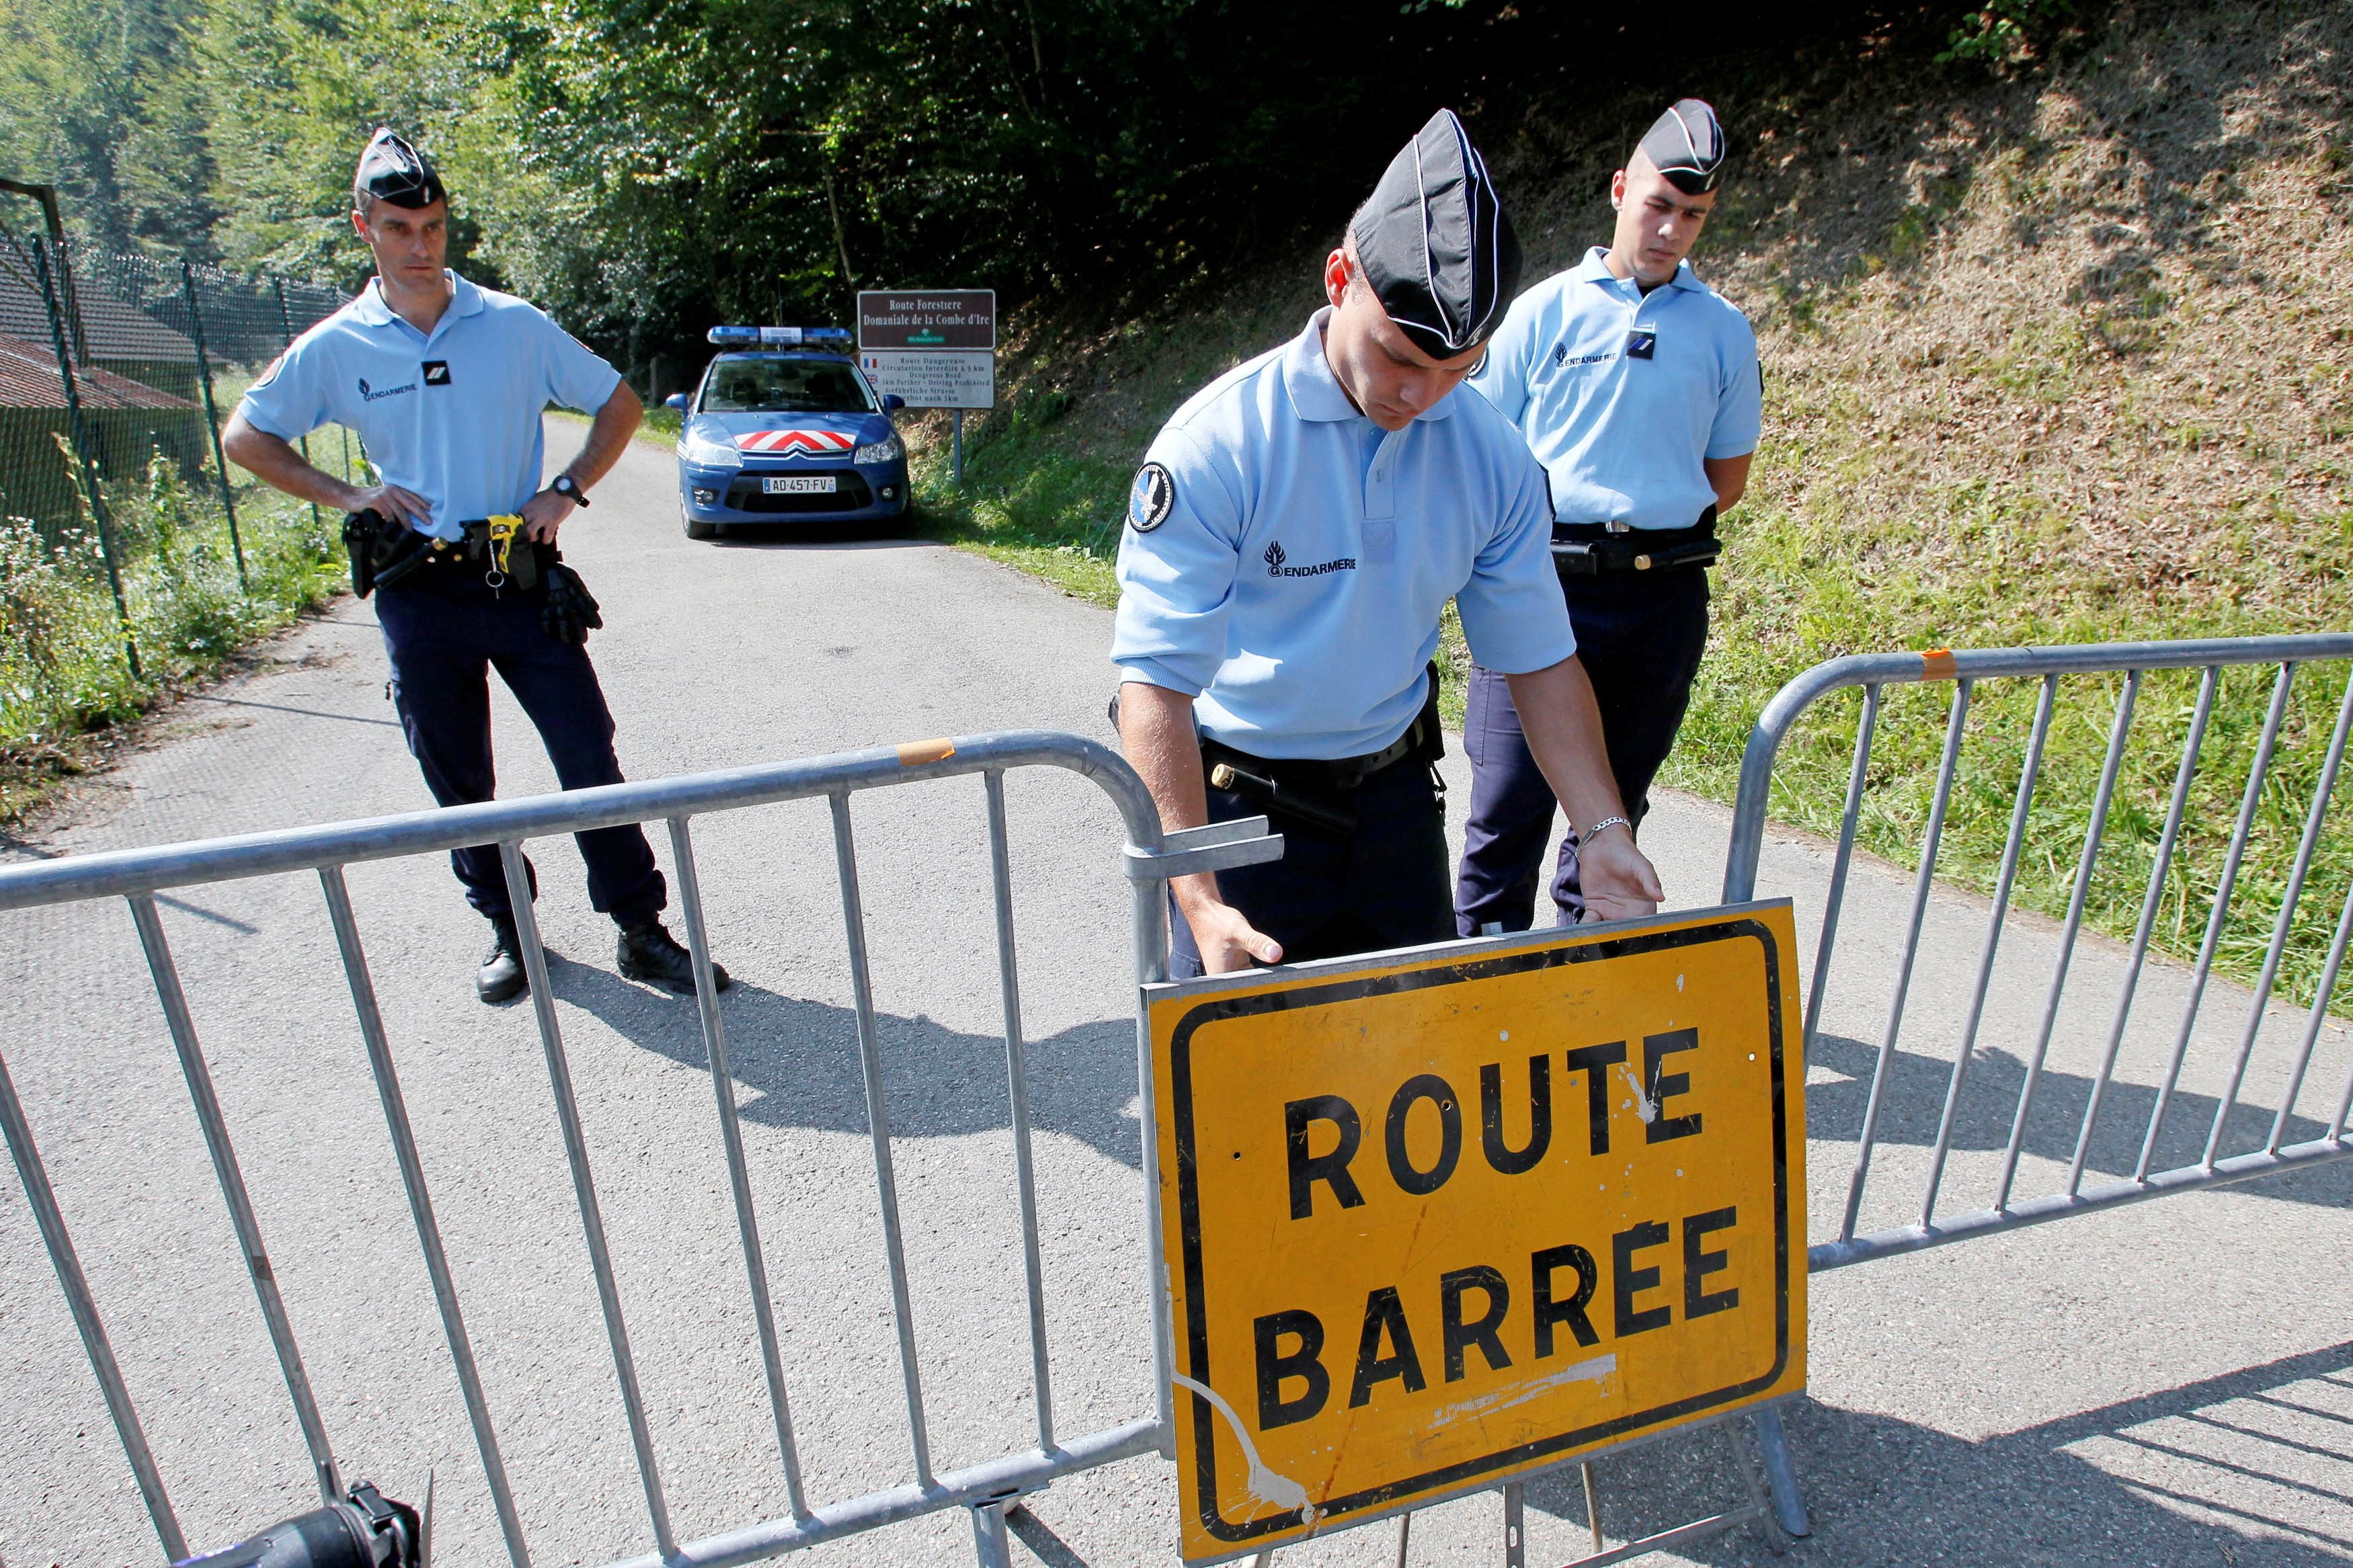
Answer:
(527, 559)
(383, 552)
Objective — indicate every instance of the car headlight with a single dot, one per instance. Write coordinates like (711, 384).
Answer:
(889, 449)
(708, 454)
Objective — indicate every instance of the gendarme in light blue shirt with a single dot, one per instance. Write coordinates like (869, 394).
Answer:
(1286, 562)
(1622, 437)
(453, 415)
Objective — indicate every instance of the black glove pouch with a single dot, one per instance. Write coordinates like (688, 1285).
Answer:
(570, 613)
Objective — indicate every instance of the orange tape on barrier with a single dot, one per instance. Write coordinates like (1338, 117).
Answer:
(914, 753)
(1937, 664)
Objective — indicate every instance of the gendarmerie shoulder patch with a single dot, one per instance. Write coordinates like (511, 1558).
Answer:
(1151, 497)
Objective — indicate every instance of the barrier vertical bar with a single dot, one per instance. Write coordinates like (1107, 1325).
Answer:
(2151, 903)
(1515, 1536)
(43, 1201)
(2319, 1016)
(212, 417)
(1149, 918)
(877, 1127)
(2256, 773)
(420, 1208)
(2003, 882)
(232, 1184)
(1009, 981)
(2289, 897)
(739, 1175)
(1848, 822)
(1956, 720)
(2085, 866)
(88, 455)
(583, 1187)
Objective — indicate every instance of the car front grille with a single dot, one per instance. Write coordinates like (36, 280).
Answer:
(850, 494)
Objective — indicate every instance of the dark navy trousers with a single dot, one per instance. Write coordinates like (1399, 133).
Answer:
(1332, 895)
(443, 641)
(1639, 637)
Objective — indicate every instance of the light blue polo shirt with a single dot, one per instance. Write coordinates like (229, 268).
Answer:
(452, 415)
(1286, 561)
(1623, 439)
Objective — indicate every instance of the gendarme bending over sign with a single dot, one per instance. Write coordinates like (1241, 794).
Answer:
(1453, 1215)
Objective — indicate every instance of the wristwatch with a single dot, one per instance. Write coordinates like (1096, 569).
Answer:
(569, 488)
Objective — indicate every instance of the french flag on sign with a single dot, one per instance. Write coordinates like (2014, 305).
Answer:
(817, 443)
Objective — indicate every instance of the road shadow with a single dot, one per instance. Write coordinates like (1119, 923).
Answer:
(1913, 1099)
(897, 533)
(799, 1059)
(1882, 1490)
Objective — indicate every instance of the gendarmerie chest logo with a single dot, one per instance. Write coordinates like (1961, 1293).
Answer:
(376, 394)
(1276, 558)
(1151, 498)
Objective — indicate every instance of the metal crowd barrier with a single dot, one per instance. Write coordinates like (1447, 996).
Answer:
(1153, 856)
(2009, 1208)
(987, 1490)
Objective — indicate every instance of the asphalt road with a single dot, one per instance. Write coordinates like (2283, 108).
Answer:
(2171, 1384)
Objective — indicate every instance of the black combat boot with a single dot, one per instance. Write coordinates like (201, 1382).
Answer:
(650, 953)
(501, 976)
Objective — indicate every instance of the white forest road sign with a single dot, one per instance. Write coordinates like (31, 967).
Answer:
(934, 378)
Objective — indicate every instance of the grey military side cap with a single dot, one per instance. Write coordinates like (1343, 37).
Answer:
(392, 171)
(1434, 243)
(1686, 145)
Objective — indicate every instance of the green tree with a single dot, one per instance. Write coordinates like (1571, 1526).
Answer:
(292, 89)
(95, 100)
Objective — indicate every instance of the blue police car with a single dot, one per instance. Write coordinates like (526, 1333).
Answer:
(784, 429)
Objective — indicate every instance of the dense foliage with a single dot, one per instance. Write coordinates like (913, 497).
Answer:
(645, 167)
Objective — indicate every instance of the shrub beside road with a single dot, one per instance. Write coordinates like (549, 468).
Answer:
(66, 687)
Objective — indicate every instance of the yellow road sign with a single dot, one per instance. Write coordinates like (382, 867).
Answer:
(1470, 1211)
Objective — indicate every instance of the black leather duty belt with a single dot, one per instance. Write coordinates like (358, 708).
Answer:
(1316, 790)
(1591, 549)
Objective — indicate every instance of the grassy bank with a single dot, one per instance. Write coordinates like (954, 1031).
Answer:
(2049, 358)
(66, 688)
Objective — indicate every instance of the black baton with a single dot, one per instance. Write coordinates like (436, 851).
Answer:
(1270, 795)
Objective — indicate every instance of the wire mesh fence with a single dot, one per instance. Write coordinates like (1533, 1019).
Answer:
(130, 549)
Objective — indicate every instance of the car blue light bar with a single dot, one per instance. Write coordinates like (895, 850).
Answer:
(777, 337)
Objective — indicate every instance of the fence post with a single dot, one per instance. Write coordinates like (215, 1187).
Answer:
(212, 420)
(87, 452)
(286, 326)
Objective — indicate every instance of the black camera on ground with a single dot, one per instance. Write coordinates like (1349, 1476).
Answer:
(368, 1529)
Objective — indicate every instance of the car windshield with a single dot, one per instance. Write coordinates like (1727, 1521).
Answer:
(784, 386)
